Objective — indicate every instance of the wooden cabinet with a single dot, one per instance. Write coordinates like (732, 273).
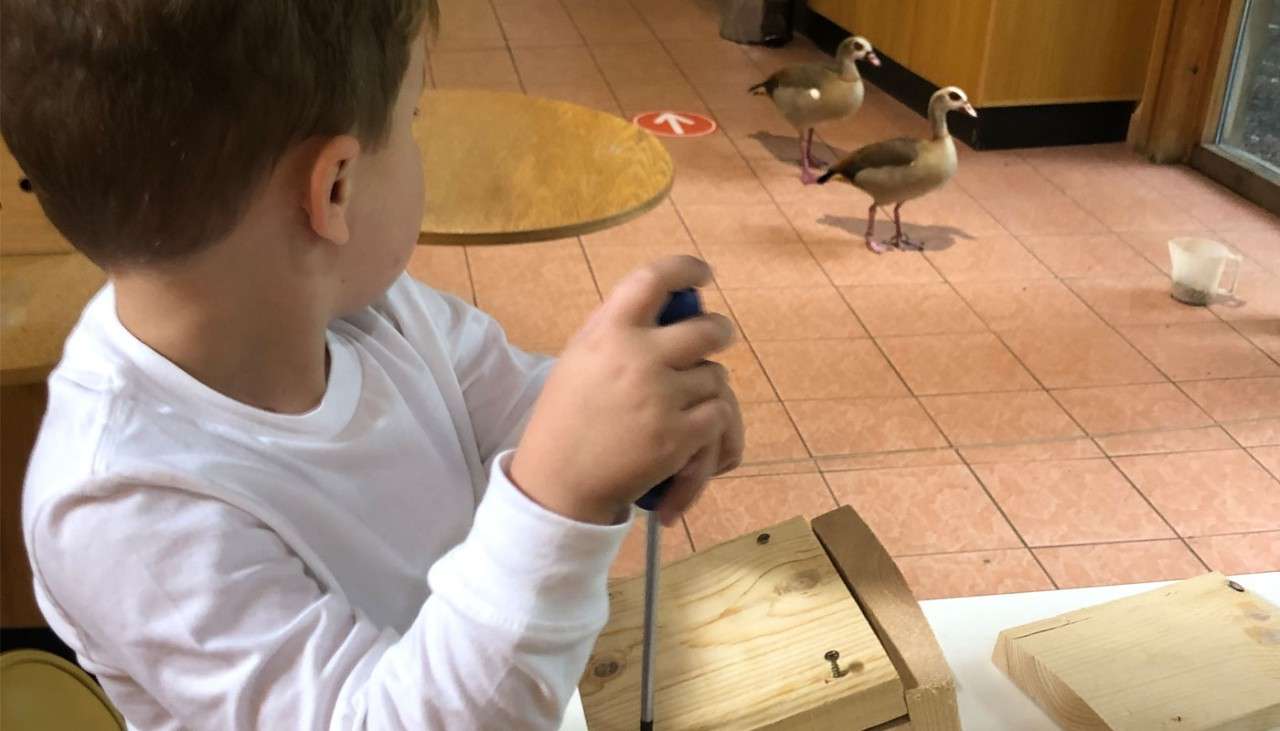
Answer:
(1008, 53)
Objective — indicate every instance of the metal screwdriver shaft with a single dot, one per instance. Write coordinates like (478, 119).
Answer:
(682, 305)
(652, 566)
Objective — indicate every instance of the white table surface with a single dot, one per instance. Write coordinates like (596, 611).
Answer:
(967, 628)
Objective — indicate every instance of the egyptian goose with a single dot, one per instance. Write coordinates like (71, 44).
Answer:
(898, 170)
(809, 94)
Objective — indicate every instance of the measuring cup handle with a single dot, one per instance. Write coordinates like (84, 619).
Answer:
(1234, 263)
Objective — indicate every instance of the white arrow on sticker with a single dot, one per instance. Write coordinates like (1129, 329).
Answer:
(672, 120)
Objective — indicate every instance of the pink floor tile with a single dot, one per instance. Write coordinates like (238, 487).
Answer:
(979, 573)
(746, 375)
(1072, 501)
(1269, 457)
(1042, 214)
(967, 363)
(763, 265)
(1206, 493)
(890, 460)
(924, 509)
(734, 506)
(829, 369)
(444, 268)
(1142, 300)
(1162, 442)
(1089, 255)
(1079, 356)
(991, 258)
(771, 437)
(849, 262)
(1264, 334)
(1026, 304)
(803, 313)
(1119, 563)
(859, 426)
(912, 309)
(1259, 433)
(1242, 553)
(1111, 409)
(1060, 449)
(726, 225)
(1200, 351)
(1000, 418)
(1257, 298)
(1237, 399)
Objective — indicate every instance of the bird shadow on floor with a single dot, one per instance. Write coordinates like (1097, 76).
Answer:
(935, 238)
(786, 148)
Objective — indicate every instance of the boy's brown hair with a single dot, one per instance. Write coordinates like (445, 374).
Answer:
(145, 126)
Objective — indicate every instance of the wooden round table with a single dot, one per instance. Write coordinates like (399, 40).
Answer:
(508, 168)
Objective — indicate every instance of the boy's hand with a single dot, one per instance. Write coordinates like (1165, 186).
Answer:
(630, 404)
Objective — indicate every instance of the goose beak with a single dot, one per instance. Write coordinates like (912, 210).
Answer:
(968, 109)
(873, 59)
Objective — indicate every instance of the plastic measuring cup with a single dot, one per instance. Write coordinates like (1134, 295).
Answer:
(1197, 268)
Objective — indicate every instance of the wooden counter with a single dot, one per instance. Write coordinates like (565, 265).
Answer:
(1047, 71)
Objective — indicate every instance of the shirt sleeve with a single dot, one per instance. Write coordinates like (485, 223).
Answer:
(499, 382)
(208, 611)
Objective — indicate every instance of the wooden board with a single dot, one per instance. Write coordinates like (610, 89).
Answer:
(882, 593)
(1198, 654)
(743, 630)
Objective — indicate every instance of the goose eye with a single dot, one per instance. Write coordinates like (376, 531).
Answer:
(955, 97)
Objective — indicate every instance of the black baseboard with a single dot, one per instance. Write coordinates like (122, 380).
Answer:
(34, 638)
(996, 128)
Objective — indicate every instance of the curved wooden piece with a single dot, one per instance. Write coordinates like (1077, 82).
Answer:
(507, 168)
(875, 581)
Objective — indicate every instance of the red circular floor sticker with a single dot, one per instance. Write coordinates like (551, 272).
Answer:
(667, 123)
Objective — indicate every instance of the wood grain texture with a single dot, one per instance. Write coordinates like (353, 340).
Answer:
(504, 168)
(742, 632)
(24, 229)
(887, 24)
(41, 297)
(893, 611)
(1190, 656)
(949, 43)
(1063, 51)
(1172, 125)
(21, 408)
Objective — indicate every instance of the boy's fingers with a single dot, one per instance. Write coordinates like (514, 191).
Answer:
(700, 383)
(735, 439)
(688, 485)
(640, 296)
(686, 344)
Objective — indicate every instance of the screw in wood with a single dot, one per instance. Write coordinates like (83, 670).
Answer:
(762, 539)
(1235, 586)
(24, 184)
(605, 669)
(833, 657)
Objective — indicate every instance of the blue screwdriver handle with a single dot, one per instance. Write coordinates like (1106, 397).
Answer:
(683, 305)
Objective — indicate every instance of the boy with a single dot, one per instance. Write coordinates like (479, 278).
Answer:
(274, 487)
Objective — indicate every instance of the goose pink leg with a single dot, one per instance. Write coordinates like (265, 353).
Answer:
(900, 239)
(872, 244)
(806, 175)
(808, 151)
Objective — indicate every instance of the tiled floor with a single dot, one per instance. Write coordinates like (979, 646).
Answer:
(1020, 406)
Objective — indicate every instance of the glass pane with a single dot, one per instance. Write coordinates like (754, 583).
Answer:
(1251, 116)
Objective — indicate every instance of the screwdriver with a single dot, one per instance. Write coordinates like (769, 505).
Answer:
(682, 305)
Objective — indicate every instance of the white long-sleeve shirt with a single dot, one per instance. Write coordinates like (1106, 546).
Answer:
(364, 565)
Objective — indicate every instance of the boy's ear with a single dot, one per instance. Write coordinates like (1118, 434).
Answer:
(330, 186)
